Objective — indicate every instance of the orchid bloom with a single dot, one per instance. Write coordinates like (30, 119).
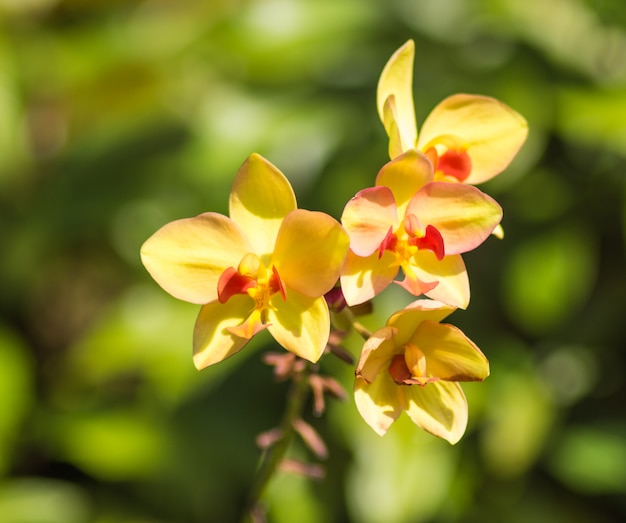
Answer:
(408, 221)
(414, 364)
(267, 266)
(468, 138)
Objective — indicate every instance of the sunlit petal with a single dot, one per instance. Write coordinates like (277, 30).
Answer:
(187, 257)
(379, 403)
(300, 324)
(212, 341)
(453, 286)
(396, 80)
(260, 198)
(310, 250)
(377, 351)
(405, 176)
(368, 217)
(464, 215)
(439, 408)
(450, 354)
(412, 282)
(491, 132)
(390, 121)
(407, 319)
(362, 278)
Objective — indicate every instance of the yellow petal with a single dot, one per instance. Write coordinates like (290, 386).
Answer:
(390, 121)
(450, 354)
(187, 257)
(453, 287)
(362, 278)
(300, 324)
(439, 408)
(491, 132)
(260, 198)
(407, 320)
(310, 250)
(396, 80)
(405, 176)
(212, 341)
(377, 351)
(380, 403)
(463, 215)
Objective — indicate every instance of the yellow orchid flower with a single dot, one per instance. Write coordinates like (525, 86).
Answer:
(410, 222)
(267, 266)
(468, 138)
(414, 364)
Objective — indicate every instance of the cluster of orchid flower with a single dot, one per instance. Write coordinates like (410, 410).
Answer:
(270, 265)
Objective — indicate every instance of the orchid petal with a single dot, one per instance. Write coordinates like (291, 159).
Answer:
(260, 198)
(377, 351)
(396, 80)
(362, 278)
(390, 121)
(380, 403)
(450, 354)
(405, 175)
(310, 250)
(453, 286)
(408, 319)
(463, 214)
(412, 282)
(212, 341)
(491, 132)
(368, 217)
(439, 408)
(300, 324)
(187, 257)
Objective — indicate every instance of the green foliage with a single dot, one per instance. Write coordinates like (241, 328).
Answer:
(117, 117)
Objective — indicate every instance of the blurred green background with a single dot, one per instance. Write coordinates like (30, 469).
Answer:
(119, 116)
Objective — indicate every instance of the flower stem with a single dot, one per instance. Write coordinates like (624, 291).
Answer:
(273, 455)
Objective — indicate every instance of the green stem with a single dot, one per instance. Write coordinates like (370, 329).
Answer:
(273, 456)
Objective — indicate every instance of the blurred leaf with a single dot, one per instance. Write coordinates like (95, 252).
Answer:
(16, 392)
(549, 276)
(593, 117)
(403, 476)
(592, 459)
(114, 445)
(39, 500)
(292, 498)
(518, 420)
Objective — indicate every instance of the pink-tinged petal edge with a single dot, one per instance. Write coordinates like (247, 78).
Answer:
(367, 218)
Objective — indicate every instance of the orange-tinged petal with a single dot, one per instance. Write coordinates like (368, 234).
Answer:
(396, 80)
(368, 217)
(260, 198)
(377, 351)
(450, 354)
(300, 324)
(491, 132)
(439, 408)
(310, 250)
(407, 320)
(464, 215)
(413, 284)
(362, 278)
(212, 341)
(187, 257)
(405, 175)
(380, 403)
(453, 286)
